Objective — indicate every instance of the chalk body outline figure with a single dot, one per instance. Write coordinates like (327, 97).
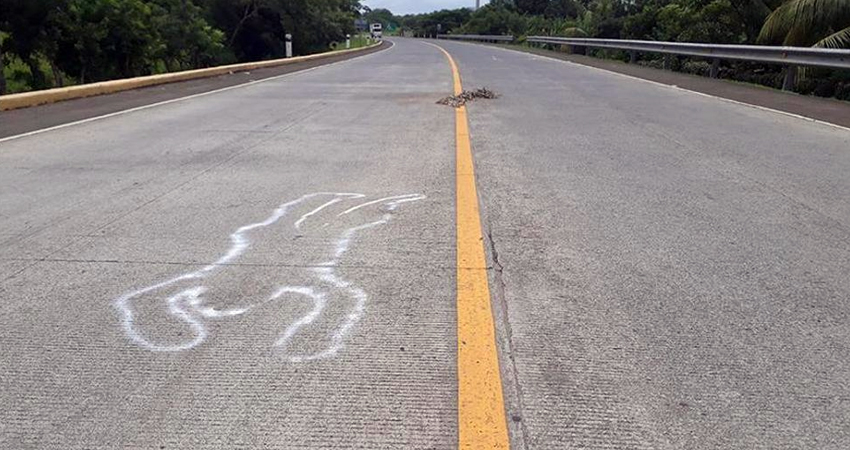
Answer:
(188, 305)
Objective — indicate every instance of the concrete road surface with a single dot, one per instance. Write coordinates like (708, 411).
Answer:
(274, 266)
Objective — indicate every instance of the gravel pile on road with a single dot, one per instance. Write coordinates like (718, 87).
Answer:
(456, 101)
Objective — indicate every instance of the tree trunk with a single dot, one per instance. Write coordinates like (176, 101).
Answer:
(58, 79)
(250, 9)
(38, 79)
(2, 74)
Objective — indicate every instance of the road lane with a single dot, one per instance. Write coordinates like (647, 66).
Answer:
(673, 269)
(668, 270)
(27, 120)
(110, 232)
(829, 110)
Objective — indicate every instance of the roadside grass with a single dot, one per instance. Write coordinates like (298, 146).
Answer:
(357, 41)
(19, 76)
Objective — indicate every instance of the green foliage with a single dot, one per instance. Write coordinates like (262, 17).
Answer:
(692, 21)
(531, 7)
(822, 23)
(449, 21)
(97, 40)
(839, 39)
(598, 18)
(187, 39)
(49, 43)
(45, 43)
(380, 15)
(498, 20)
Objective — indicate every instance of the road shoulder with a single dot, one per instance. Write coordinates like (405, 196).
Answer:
(827, 110)
(20, 121)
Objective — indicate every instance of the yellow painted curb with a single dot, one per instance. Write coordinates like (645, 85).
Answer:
(28, 99)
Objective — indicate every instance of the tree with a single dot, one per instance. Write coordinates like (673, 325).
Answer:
(93, 40)
(25, 22)
(450, 21)
(562, 9)
(819, 23)
(256, 29)
(3, 88)
(496, 19)
(533, 7)
(382, 16)
(188, 40)
(96, 40)
(752, 14)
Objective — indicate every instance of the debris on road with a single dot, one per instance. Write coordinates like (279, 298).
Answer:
(456, 101)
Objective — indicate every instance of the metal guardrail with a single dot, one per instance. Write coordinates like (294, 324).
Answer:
(476, 37)
(790, 57)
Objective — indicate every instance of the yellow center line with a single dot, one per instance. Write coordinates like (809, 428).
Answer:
(481, 407)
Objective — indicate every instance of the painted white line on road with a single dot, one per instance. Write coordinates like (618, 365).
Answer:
(328, 275)
(703, 94)
(671, 86)
(186, 303)
(319, 303)
(190, 296)
(348, 211)
(314, 212)
(180, 99)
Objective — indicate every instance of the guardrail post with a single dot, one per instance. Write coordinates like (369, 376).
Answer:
(790, 78)
(668, 61)
(715, 68)
(632, 56)
(288, 45)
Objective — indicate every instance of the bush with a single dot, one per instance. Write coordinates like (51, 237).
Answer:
(702, 68)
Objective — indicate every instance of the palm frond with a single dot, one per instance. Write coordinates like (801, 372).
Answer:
(777, 25)
(821, 13)
(840, 39)
(804, 22)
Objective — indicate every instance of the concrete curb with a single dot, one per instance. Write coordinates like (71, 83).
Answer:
(28, 99)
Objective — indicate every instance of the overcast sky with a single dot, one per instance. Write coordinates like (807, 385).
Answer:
(399, 7)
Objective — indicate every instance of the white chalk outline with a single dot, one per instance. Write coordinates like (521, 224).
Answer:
(187, 305)
(314, 212)
(328, 275)
(402, 199)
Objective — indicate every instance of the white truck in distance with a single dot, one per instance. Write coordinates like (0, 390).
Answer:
(377, 30)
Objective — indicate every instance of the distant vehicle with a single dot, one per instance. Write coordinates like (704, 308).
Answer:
(377, 30)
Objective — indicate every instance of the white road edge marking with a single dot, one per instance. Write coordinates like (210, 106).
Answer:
(674, 87)
(180, 99)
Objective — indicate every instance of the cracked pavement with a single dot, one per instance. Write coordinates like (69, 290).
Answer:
(675, 269)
